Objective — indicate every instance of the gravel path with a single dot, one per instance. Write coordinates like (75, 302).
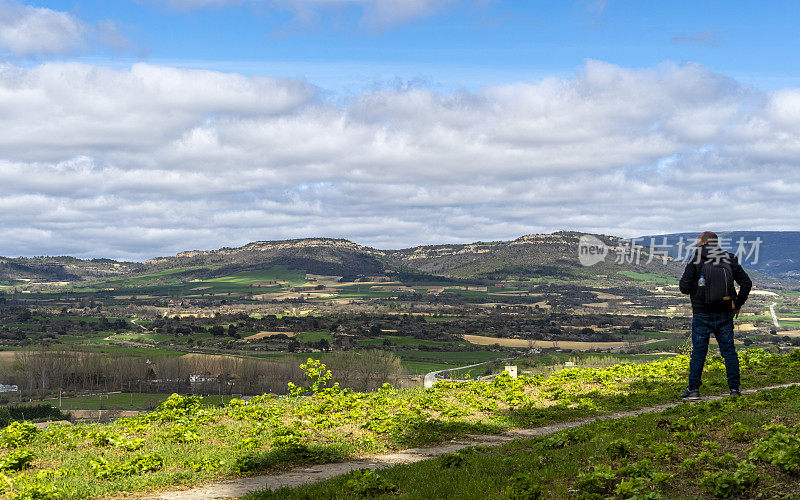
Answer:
(774, 315)
(235, 488)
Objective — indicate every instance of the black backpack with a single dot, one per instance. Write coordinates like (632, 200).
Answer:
(715, 281)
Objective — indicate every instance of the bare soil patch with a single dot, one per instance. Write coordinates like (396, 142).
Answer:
(261, 335)
(561, 344)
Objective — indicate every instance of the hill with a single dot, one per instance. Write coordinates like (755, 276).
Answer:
(63, 268)
(547, 256)
(543, 255)
(776, 256)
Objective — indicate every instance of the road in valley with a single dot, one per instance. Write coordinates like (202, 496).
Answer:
(774, 316)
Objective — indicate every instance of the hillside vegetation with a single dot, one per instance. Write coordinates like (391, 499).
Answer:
(183, 442)
(552, 255)
(745, 448)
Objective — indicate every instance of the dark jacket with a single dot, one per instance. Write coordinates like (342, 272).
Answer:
(688, 283)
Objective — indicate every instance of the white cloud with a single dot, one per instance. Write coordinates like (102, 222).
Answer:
(27, 31)
(153, 160)
(30, 31)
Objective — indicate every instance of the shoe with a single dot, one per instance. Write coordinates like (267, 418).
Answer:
(735, 393)
(691, 394)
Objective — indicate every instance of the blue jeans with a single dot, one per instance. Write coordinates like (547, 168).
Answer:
(721, 325)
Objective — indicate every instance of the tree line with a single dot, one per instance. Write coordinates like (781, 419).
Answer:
(44, 372)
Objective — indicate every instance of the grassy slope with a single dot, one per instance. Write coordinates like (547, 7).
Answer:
(195, 445)
(691, 451)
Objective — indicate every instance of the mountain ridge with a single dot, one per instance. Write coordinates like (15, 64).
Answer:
(553, 255)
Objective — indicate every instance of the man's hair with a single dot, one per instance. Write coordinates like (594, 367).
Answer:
(707, 237)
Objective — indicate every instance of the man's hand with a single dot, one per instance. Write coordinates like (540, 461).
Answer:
(735, 312)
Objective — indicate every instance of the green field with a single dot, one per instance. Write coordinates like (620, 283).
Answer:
(292, 277)
(122, 401)
(406, 341)
(457, 358)
(313, 337)
(659, 279)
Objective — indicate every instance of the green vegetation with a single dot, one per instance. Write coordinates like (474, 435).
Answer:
(650, 277)
(189, 443)
(313, 337)
(457, 358)
(123, 401)
(682, 452)
(292, 277)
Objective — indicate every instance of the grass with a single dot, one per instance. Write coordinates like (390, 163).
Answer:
(193, 444)
(457, 358)
(406, 341)
(148, 352)
(652, 454)
(650, 277)
(292, 277)
(363, 291)
(122, 401)
(422, 367)
(313, 337)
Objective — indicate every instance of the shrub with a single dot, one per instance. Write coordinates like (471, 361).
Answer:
(18, 413)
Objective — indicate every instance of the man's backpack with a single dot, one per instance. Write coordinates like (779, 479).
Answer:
(715, 282)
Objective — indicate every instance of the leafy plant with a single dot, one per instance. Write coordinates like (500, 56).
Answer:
(524, 487)
(180, 434)
(740, 432)
(619, 448)
(663, 451)
(631, 487)
(452, 460)
(365, 482)
(781, 447)
(317, 375)
(145, 462)
(725, 484)
(16, 460)
(18, 434)
(600, 480)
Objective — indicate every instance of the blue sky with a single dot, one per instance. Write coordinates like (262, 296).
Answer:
(141, 128)
(461, 43)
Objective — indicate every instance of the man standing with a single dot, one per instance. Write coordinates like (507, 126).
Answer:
(708, 279)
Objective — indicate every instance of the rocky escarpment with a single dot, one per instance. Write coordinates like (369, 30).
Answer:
(315, 255)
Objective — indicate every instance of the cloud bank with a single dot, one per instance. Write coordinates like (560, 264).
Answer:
(153, 160)
(27, 31)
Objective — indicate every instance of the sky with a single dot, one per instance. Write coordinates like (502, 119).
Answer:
(140, 128)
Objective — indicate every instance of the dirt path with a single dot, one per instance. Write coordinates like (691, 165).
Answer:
(774, 315)
(235, 488)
